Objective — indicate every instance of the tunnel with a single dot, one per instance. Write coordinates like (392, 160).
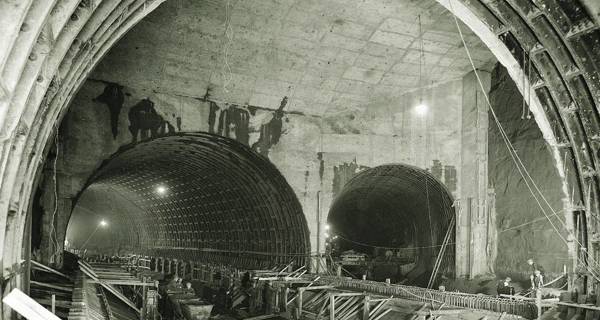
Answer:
(190, 196)
(397, 209)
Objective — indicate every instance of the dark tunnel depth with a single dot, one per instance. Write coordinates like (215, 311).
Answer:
(396, 217)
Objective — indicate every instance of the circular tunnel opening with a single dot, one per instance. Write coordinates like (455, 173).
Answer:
(391, 222)
(195, 197)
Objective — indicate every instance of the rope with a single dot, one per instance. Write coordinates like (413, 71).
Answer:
(395, 248)
(527, 223)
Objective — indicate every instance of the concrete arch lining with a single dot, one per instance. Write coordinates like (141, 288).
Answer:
(219, 196)
(569, 137)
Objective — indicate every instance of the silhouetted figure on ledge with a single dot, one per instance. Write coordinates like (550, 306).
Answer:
(505, 288)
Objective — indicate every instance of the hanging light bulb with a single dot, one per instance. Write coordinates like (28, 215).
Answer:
(161, 190)
(421, 108)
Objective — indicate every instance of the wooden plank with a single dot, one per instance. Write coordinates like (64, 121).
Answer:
(51, 286)
(318, 288)
(111, 289)
(38, 266)
(58, 303)
(379, 306)
(27, 307)
(126, 283)
(262, 317)
(386, 311)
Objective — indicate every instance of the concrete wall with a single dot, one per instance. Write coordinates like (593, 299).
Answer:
(316, 145)
(316, 139)
(523, 231)
(315, 154)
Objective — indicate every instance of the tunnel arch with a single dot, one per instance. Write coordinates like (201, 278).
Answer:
(221, 202)
(40, 77)
(397, 207)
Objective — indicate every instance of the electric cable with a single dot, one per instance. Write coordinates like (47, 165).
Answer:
(53, 233)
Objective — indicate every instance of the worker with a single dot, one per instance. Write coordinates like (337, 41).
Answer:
(537, 281)
(188, 289)
(532, 267)
(246, 281)
(389, 254)
(174, 284)
(504, 287)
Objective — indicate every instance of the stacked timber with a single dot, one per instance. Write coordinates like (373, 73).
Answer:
(86, 304)
(51, 288)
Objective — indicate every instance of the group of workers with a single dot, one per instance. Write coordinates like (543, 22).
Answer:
(174, 291)
(536, 277)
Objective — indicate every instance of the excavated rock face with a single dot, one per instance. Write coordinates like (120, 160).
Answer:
(523, 230)
(394, 206)
(195, 197)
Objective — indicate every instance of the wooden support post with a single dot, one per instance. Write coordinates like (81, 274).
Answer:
(192, 275)
(54, 303)
(538, 302)
(284, 301)
(366, 307)
(275, 292)
(299, 302)
(163, 265)
(144, 300)
(332, 307)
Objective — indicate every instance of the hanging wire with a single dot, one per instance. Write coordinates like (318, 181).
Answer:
(428, 209)
(529, 80)
(226, 72)
(421, 58)
(53, 233)
(524, 84)
(385, 247)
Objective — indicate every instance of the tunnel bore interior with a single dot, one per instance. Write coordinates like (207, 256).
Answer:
(197, 196)
(397, 208)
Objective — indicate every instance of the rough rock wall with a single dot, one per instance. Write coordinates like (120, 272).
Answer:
(523, 231)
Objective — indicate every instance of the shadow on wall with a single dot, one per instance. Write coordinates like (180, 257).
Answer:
(234, 122)
(144, 120)
(231, 121)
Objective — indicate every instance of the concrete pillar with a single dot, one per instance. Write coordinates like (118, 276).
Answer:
(473, 215)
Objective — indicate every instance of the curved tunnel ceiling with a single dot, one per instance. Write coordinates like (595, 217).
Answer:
(199, 196)
(394, 205)
(48, 48)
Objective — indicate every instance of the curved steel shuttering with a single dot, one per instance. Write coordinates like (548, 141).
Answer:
(203, 197)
